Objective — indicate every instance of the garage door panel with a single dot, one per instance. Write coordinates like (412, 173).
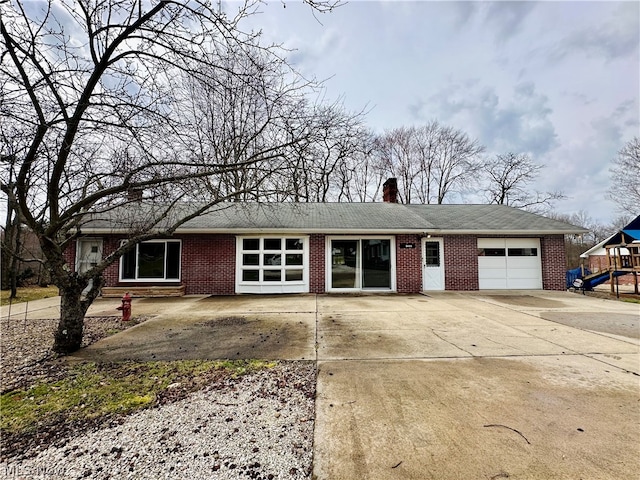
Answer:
(493, 273)
(522, 274)
(523, 284)
(522, 263)
(491, 243)
(493, 262)
(519, 268)
(493, 284)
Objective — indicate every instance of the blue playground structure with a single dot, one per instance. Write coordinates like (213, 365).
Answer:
(589, 280)
(623, 257)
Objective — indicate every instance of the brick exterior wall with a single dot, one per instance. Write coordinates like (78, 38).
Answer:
(460, 262)
(111, 274)
(69, 254)
(554, 262)
(408, 265)
(317, 263)
(209, 263)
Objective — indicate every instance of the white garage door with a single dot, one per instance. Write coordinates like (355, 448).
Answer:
(509, 263)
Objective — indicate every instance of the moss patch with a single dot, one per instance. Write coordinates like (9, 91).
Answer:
(93, 391)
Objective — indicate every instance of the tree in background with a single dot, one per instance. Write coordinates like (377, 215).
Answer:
(431, 162)
(94, 88)
(625, 178)
(509, 179)
(317, 168)
(575, 245)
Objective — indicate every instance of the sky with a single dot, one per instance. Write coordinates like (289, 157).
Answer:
(557, 80)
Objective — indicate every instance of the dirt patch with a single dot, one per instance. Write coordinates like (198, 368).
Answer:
(225, 322)
(239, 337)
(527, 301)
(256, 336)
(342, 338)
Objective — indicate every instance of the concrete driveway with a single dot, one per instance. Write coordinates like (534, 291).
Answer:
(201, 327)
(476, 385)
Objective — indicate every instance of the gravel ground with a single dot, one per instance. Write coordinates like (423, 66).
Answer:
(26, 347)
(258, 426)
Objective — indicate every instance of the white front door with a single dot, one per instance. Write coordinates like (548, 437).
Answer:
(432, 264)
(88, 255)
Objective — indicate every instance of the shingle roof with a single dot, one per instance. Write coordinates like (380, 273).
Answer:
(340, 218)
(488, 217)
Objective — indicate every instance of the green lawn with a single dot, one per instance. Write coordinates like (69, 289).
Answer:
(28, 294)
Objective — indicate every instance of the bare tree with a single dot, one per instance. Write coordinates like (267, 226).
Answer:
(509, 177)
(242, 115)
(625, 178)
(575, 245)
(316, 166)
(91, 85)
(427, 143)
(360, 176)
(398, 158)
(431, 162)
(457, 162)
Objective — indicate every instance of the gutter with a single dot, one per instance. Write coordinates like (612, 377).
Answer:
(351, 231)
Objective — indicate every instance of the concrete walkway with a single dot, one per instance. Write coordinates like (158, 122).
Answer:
(442, 386)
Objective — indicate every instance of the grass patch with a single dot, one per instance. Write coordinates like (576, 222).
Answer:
(92, 391)
(631, 300)
(28, 294)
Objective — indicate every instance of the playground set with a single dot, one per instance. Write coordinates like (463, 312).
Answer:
(622, 258)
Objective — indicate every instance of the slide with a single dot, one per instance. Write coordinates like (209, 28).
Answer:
(594, 279)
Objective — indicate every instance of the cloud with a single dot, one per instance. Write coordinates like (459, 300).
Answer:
(463, 12)
(507, 18)
(309, 54)
(519, 123)
(614, 38)
(580, 167)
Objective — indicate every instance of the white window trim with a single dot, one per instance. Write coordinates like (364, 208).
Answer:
(261, 286)
(328, 262)
(151, 280)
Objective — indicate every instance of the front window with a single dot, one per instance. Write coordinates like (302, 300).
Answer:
(432, 254)
(152, 260)
(272, 260)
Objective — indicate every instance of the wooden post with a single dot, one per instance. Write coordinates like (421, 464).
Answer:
(611, 268)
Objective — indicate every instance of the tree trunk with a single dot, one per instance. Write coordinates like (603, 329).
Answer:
(73, 307)
(68, 337)
(13, 273)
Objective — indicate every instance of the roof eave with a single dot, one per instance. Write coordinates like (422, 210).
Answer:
(505, 232)
(339, 231)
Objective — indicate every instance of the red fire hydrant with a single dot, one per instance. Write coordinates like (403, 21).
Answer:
(126, 307)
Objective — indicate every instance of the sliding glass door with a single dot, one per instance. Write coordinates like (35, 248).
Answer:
(345, 268)
(376, 264)
(358, 264)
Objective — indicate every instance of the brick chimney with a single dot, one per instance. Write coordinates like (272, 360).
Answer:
(390, 191)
